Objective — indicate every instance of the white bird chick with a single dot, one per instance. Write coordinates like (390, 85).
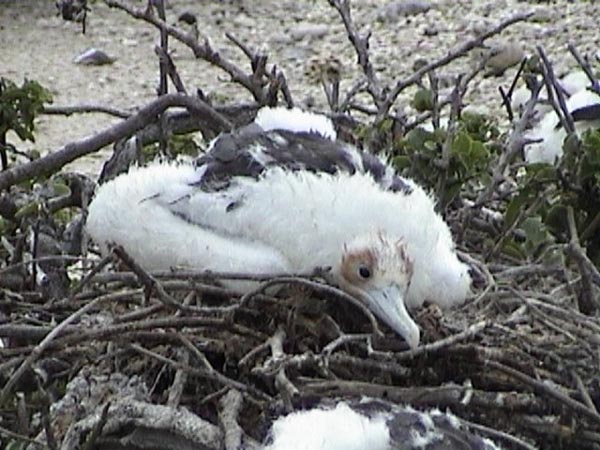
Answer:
(289, 201)
(372, 424)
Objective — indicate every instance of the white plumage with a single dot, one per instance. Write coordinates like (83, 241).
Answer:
(547, 131)
(571, 83)
(391, 249)
(294, 120)
(372, 425)
(551, 134)
(340, 428)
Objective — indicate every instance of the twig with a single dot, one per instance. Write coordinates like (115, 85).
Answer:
(585, 395)
(513, 147)
(231, 404)
(473, 330)
(220, 378)
(507, 96)
(361, 45)
(166, 59)
(588, 270)
(163, 86)
(545, 388)
(90, 442)
(180, 379)
(284, 385)
(84, 108)
(319, 287)
(42, 346)
(45, 413)
(202, 51)
(20, 438)
(149, 282)
(585, 66)
(498, 434)
(552, 85)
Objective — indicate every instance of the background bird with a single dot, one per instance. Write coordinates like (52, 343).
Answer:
(547, 134)
(266, 199)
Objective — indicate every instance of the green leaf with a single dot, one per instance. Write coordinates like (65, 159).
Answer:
(512, 210)
(19, 106)
(417, 139)
(511, 248)
(535, 231)
(29, 209)
(571, 144)
(556, 219)
(423, 100)
(451, 192)
(461, 144)
(61, 189)
(16, 445)
(401, 162)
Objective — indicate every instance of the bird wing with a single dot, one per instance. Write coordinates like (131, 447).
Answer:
(590, 112)
(147, 212)
(250, 151)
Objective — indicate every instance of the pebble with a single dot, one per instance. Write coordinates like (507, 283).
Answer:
(308, 31)
(500, 56)
(93, 57)
(392, 11)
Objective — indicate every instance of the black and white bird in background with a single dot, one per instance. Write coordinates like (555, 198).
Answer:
(282, 195)
(548, 135)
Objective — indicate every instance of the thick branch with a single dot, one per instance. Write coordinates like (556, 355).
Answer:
(70, 152)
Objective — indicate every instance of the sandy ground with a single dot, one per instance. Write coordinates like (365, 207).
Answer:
(36, 44)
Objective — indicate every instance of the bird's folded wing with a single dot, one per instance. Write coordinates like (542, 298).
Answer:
(249, 152)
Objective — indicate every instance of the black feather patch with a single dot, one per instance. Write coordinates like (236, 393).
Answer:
(249, 151)
(590, 112)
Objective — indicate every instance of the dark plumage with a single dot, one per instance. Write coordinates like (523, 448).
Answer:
(250, 150)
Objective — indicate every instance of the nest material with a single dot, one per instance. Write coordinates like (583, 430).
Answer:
(518, 363)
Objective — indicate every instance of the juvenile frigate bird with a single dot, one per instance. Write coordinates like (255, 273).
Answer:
(372, 424)
(266, 199)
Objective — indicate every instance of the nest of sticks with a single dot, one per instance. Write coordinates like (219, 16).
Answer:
(97, 352)
(518, 363)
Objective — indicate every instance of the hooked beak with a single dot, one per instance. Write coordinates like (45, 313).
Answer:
(388, 304)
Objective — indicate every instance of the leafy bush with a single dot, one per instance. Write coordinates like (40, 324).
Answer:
(19, 106)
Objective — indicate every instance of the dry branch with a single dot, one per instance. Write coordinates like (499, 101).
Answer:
(70, 152)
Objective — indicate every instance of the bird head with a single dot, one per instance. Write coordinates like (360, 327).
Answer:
(378, 270)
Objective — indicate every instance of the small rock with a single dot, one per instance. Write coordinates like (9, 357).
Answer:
(392, 11)
(187, 17)
(323, 67)
(281, 38)
(430, 31)
(543, 15)
(308, 31)
(129, 42)
(94, 57)
(500, 56)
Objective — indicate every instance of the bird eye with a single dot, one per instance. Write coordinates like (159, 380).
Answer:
(364, 272)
